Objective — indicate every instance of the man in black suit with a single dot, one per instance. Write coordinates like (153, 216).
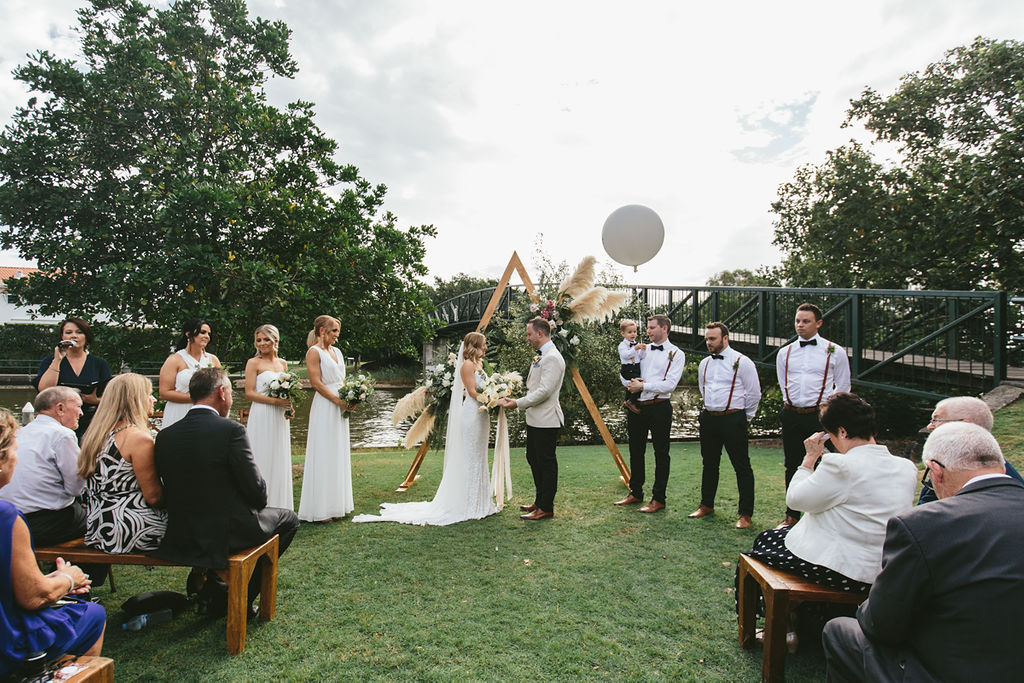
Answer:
(949, 602)
(215, 496)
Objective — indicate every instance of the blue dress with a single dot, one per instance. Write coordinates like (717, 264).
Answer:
(22, 632)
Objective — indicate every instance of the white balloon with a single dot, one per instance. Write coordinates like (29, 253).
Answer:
(633, 234)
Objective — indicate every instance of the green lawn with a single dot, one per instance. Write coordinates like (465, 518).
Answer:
(599, 592)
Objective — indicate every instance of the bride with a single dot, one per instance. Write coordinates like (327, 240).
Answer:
(465, 491)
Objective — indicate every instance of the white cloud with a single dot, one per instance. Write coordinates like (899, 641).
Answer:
(496, 122)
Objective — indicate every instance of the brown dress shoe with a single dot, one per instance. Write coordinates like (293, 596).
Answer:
(702, 511)
(537, 514)
(629, 500)
(528, 508)
(743, 522)
(653, 506)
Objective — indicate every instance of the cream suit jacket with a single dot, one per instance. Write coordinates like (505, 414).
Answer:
(542, 387)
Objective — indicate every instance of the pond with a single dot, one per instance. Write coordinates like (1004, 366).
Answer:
(371, 425)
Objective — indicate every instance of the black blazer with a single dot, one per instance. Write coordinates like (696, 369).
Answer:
(951, 588)
(213, 490)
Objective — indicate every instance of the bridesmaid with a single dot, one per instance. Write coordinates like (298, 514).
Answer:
(327, 480)
(178, 368)
(268, 429)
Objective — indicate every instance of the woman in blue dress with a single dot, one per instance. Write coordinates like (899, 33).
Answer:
(31, 620)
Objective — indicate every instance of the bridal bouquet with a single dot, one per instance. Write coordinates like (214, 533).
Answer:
(496, 386)
(288, 386)
(354, 391)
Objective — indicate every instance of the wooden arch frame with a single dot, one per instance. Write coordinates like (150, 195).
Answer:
(516, 265)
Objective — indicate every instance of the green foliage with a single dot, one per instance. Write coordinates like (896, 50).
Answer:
(442, 289)
(153, 182)
(743, 277)
(27, 342)
(947, 213)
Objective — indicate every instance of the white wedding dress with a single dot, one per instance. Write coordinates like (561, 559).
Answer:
(465, 489)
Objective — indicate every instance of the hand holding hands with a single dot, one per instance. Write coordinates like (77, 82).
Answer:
(508, 403)
(81, 579)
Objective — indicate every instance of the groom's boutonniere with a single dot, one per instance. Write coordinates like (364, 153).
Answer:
(671, 357)
(736, 365)
(831, 348)
(536, 360)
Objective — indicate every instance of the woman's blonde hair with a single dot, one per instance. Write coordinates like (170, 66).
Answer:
(321, 322)
(473, 346)
(126, 399)
(271, 332)
(8, 426)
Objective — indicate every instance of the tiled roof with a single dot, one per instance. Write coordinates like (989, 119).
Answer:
(7, 272)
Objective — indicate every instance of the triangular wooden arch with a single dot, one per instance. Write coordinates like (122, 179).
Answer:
(516, 265)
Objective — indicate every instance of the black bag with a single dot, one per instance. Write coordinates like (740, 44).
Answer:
(144, 603)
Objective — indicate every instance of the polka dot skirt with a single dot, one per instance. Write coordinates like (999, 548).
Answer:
(770, 548)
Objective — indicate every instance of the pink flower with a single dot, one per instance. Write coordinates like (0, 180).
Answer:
(534, 308)
(551, 304)
(546, 314)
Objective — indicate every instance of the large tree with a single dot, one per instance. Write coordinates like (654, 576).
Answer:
(940, 205)
(152, 181)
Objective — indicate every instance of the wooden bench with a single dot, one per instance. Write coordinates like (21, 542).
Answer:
(782, 592)
(96, 669)
(240, 567)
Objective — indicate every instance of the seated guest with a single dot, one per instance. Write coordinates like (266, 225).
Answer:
(214, 494)
(30, 620)
(961, 409)
(949, 602)
(121, 485)
(847, 501)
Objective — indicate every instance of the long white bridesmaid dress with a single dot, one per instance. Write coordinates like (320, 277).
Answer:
(270, 438)
(327, 480)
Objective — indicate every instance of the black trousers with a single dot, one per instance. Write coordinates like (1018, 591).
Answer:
(630, 371)
(540, 454)
(729, 431)
(50, 527)
(656, 420)
(796, 427)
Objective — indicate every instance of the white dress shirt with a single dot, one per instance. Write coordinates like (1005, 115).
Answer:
(661, 370)
(629, 354)
(715, 381)
(801, 382)
(46, 477)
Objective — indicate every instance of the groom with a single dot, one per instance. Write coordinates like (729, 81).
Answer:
(543, 418)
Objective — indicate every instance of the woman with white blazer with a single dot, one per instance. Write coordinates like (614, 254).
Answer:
(847, 501)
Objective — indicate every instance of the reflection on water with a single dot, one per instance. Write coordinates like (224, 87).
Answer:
(371, 423)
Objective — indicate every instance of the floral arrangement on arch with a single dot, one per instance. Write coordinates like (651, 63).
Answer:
(428, 402)
(577, 301)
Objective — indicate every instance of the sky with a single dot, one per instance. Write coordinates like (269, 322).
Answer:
(503, 124)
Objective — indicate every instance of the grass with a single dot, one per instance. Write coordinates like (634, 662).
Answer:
(597, 593)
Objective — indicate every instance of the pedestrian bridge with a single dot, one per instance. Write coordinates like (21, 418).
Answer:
(929, 344)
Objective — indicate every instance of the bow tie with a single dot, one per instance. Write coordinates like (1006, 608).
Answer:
(657, 347)
(718, 356)
(633, 343)
(809, 342)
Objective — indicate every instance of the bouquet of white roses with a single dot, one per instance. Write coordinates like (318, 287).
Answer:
(287, 386)
(496, 386)
(354, 390)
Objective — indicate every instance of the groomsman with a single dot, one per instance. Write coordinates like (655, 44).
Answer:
(810, 370)
(660, 371)
(543, 418)
(731, 391)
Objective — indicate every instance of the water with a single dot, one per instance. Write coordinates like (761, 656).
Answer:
(371, 423)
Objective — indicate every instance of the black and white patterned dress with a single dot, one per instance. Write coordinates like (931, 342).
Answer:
(118, 518)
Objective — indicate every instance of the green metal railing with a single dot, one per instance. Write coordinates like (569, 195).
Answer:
(929, 344)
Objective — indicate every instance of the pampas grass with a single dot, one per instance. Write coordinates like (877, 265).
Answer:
(409, 405)
(420, 429)
(587, 304)
(581, 280)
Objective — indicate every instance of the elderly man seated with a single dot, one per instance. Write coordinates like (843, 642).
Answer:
(949, 602)
(46, 482)
(961, 409)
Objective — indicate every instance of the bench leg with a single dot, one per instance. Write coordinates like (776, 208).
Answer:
(268, 585)
(773, 660)
(238, 604)
(746, 601)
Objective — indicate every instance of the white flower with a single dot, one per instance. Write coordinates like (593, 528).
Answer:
(446, 382)
(274, 384)
(563, 333)
(574, 341)
(534, 308)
